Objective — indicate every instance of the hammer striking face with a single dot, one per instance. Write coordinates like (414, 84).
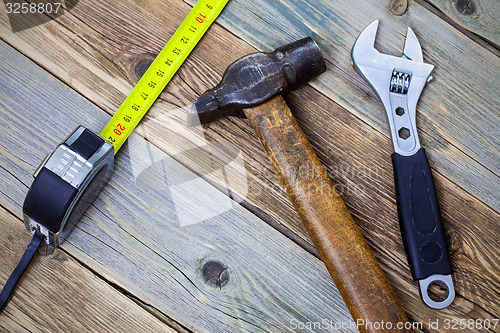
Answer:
(256, 78)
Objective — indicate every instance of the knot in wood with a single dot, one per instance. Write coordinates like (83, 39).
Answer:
(466, 7)
(141, 67)
(215, 274)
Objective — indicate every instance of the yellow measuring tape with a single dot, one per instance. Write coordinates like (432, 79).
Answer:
(161, 71)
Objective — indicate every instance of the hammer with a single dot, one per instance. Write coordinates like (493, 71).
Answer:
(252, 87)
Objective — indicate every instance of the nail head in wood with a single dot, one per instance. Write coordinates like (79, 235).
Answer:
(398, 7)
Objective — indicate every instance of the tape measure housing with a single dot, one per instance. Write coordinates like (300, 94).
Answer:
(66, 183)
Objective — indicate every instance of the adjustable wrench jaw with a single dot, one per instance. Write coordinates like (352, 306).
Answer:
(398, 81)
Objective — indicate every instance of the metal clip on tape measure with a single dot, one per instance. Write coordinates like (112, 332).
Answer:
(66, 183)
(70, 178)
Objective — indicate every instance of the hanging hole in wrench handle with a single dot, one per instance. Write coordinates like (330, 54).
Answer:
(425, 292)
(421, 226)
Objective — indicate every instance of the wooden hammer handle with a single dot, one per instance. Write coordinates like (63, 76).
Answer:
(335, 235)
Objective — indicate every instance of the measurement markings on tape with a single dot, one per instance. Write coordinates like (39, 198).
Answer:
(161, 71)
(70, 178)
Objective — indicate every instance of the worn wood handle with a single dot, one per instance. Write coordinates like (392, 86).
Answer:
(352, 265)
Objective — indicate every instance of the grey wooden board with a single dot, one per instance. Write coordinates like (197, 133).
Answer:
(457, 116)
(90, 304)
(131, 234)
(478, 16)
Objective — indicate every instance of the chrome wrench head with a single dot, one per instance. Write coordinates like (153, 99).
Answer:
(398, 81)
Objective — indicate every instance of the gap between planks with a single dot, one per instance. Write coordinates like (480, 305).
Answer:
(449, 106)
(261, 297)
(178, 327)
(30, 303)
(480, 40)
(255, 210)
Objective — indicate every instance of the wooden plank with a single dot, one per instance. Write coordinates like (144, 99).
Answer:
(457, 115)
(356, 156)
(58, 294)
(103, 68)
(366, 181)
(366, 185)
(478, 16)
(132, 234)
(461, 149)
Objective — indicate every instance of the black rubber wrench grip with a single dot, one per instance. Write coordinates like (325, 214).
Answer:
(419, 216)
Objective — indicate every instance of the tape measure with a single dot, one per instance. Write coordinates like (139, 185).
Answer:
(161, 71)
(70, 178)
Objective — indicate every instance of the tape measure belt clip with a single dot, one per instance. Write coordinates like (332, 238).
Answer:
(66, 183)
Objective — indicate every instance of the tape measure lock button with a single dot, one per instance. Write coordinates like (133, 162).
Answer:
(66, 183)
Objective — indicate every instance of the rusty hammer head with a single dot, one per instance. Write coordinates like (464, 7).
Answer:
(256, 78)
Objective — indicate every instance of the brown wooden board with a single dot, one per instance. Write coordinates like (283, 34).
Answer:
(457, 115)
(164, 235)
(325, 217)
(97, 48)
(367, 182)
(58, 294)
(477, 16)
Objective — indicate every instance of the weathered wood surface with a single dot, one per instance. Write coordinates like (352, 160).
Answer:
(58, 294)
(367, 182)
(324, 215)
(99, 62)
(457, 116)
(132, 235)
(478, 16)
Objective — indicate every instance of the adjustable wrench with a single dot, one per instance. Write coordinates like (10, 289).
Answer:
(398, 82)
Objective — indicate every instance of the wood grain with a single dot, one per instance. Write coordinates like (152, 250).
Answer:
(102, 68)
(101, 44)
(366, 181)
(362, 284)
(57, 294)
(133, 235)
(477, 16)
(456, 115)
